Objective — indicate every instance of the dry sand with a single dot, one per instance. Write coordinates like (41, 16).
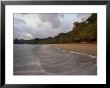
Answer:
(77, 47)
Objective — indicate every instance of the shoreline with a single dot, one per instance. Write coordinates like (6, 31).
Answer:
(88, 48)
(84, 48)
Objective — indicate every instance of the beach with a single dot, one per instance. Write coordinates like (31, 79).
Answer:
(89, 48)
(49, 59)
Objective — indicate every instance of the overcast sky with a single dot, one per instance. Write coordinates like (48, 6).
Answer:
(30, 26)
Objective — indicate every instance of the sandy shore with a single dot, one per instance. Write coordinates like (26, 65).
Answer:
(77, 47)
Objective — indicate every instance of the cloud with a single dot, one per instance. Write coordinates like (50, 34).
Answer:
(82, 16)
(28, 26)
(52, 18)
(26, 36)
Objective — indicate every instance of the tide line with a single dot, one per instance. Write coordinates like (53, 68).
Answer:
(83, 54)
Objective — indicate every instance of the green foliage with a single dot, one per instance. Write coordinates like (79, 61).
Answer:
(86, 30)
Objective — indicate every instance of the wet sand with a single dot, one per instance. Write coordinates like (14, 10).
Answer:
(44, 59)
(90, 49)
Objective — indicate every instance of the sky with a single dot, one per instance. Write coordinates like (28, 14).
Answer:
(43, 25)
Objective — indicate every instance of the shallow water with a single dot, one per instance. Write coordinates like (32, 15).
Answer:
(43, 59)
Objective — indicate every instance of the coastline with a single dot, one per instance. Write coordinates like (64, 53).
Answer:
(89, 48)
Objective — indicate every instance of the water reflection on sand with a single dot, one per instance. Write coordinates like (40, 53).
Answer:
(45, 60)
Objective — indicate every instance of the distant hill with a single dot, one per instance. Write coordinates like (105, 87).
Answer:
(85, 31)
